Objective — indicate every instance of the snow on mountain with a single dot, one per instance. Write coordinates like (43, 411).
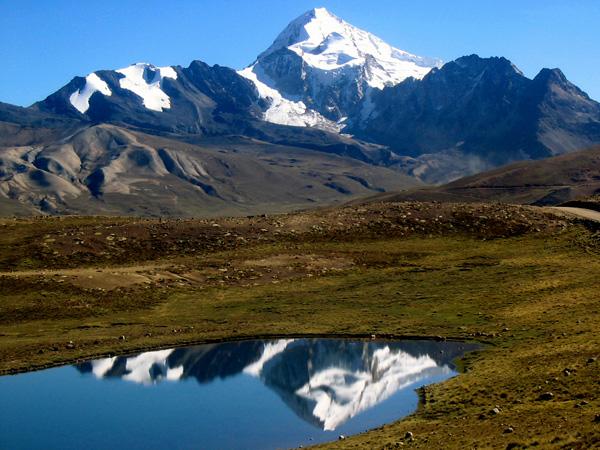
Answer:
(327, 42)
(314, 74)
(283, 110)
(146, 80)
(320, 67)
(80, 99)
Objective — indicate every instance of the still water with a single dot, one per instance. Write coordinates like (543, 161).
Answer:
(261, 394)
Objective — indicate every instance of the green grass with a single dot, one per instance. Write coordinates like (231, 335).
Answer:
(533, 298)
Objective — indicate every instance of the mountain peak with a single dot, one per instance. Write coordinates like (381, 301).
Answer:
(551, 76)
(326, 42)
(499, 63)
(315, 14)
(320, 12)
(320, 67)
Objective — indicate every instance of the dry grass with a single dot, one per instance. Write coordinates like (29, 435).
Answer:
(533, 297)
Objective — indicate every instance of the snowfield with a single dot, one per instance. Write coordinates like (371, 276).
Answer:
(144, 80)
(327, 42)
(80, 99)
(285, 111)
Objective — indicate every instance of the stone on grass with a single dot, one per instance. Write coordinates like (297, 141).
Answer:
(546, 396)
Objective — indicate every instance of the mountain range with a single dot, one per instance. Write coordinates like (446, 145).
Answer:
(327, 113)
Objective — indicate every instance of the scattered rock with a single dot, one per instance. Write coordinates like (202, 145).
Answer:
(509, 430)
(495, 411)
(546, 396)
(341, 437)
(122, 338)
(70, 345)
(409, 436)
(591, 360)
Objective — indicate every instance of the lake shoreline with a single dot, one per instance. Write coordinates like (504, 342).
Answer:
(520, 280)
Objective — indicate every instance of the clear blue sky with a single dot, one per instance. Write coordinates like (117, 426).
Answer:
(44, 43)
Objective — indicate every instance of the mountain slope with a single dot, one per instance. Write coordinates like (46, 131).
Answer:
(319, 68)
(551, 181)
(475, 114)
(327, 112)
(185, 103)
(106, 169)
(198, 99)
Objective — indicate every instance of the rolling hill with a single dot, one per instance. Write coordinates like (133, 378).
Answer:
(549, 181)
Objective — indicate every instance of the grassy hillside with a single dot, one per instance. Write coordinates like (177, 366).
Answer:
(516, 278)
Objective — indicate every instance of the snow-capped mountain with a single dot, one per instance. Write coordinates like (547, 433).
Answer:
(345, 113)
(198, 99)
(320, 67)
(142, 79)
(474, 114)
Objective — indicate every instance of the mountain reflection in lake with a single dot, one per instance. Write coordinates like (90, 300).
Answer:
(247, 392)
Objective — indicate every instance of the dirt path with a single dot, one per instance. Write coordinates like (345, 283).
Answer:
(104, 278)
(579, 212)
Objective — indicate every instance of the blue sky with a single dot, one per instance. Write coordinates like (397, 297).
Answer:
(44, 43)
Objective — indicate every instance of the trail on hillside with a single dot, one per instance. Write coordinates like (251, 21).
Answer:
(579, 212)
(101, 277)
